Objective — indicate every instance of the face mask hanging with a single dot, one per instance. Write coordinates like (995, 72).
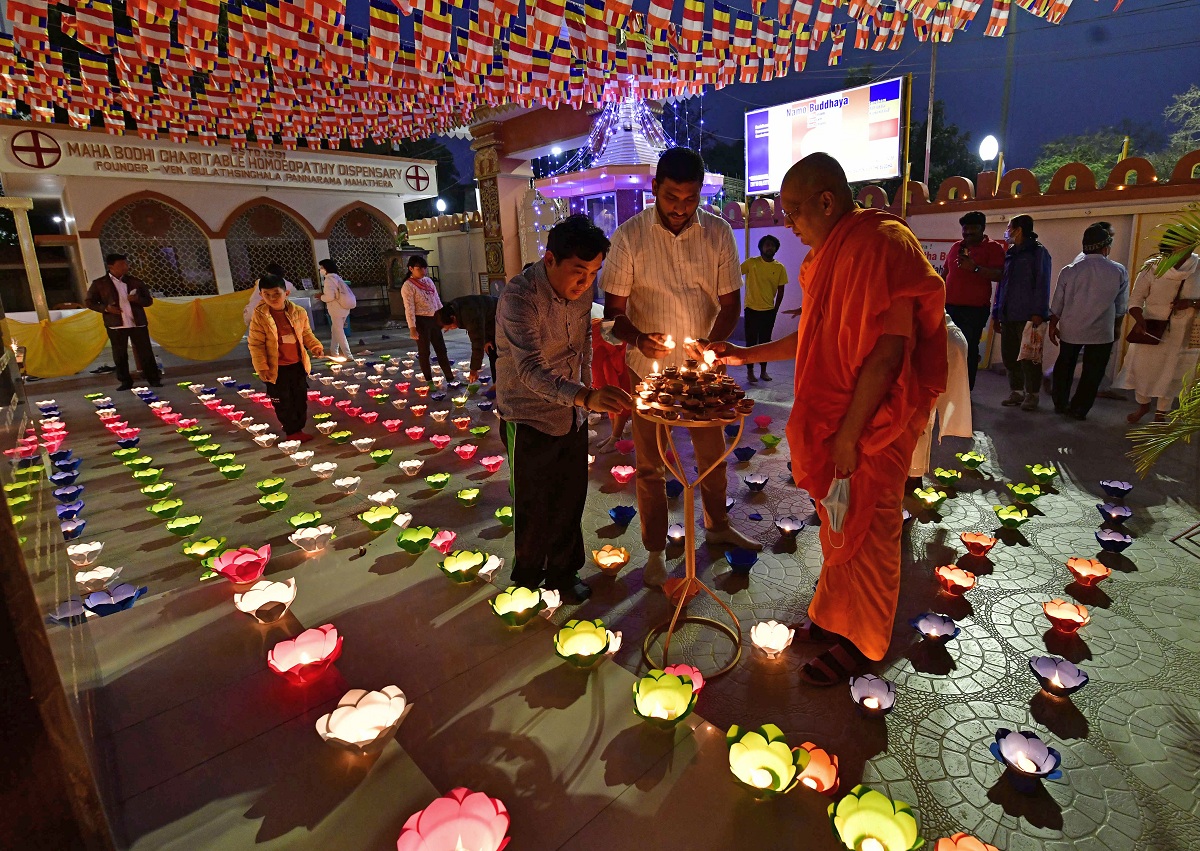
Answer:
(837, 504)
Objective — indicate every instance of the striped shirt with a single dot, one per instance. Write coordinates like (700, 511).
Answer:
(674, 283)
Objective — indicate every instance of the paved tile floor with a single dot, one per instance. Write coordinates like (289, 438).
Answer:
(1129, 739)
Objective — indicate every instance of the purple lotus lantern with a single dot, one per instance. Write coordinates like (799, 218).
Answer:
(1112, 541)
(69, 612)
(756, 482)
(1027, 758)
(874, 695)
(61, 455)
(1113, 513)
(1115, 489)
(70, 466)
(72, 529)
(936, 628)
(63, 479)
(69, 510)
(674, 489)
(67, 494)
(1057, 676)
(117, 599)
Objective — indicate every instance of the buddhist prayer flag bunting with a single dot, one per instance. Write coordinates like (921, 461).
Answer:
(998, 19)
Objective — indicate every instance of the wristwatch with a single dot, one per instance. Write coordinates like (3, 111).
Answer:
(976, 269)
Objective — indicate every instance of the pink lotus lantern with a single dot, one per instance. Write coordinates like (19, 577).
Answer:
(369, 417)
(492, 463)
(460, 819)
(171, 419)
(623, 473)
(977, 543)
(325, 400)
(401, 386)
(313, 395)
(762, 421)
(225, 409)
(393, 425)
(689, 671)
(243, 565)
(187, 422)
(443, 541)
(342, 404)
(353, 412)
(441, 441)
(1088, 571)
(306, 657)
(624, 446)
(466, 451)
(1067, 618)
(235, 416)
(415, 432)
(461, 423)
(954, 580)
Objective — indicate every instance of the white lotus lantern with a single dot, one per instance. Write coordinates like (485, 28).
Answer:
(81, 555)
(259, 428)
(96, 579)
(383, 497)
(287, 447)
(325, 469)
(267, 601)
(312, 539)
(265, 440)
(771, 637)
(364, 720)
(301, 459)
(401, 520)
(348, 484)
(363, 444)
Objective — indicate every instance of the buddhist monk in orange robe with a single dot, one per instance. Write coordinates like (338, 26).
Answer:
(870, 356)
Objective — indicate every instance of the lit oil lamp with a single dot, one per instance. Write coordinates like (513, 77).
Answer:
(1114, 513)
(301, 458)
(623, 473)
(873, 695)
(418, 410)
(867, 820)
(1067, 618)
(517, 606)
(84, 554)
(243, 565)
(662, 700)
(954, 580)
(1113, 541)
(437, 481)
(1088, 571)
(1116, 489)
(610, 559)
(96, 579)
(266, 601)
(1057, 676)
(1027, 758)
(771, 637)
(978, 544)
(364, 721)
(505, 515)
(460, 819)
(461, 423)
(274, 501)
(364, 444)
(467, 496)
(393, 425)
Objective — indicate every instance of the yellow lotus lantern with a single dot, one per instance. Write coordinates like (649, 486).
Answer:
(866, 820)
(663, 700)
(516, 605)
(584, 643)
(762, 761)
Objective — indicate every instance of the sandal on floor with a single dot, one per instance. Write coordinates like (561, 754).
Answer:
(806, 630)
(833, 667)
(1160, 417)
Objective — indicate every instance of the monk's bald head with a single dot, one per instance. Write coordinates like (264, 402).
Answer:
(814, 196)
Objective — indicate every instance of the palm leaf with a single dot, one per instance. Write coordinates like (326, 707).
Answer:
(1152, 440)
(1178, 239)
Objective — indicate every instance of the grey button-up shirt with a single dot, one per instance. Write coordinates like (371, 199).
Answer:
(544, 346)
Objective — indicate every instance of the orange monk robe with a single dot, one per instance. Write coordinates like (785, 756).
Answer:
(869, 278)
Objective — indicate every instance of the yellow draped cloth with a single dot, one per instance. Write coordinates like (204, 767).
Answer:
(201, 329)
(59, 347)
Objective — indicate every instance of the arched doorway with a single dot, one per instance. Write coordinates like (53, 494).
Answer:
(165, 248)
(357, 242)
(265, 234)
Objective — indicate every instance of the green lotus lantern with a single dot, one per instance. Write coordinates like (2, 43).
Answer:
(203, 548)
(221, 459)
(663, 700)
(1043, 474)
(866, 820)
(274, 501)
(341, 436)
(947, 478)
(415, 539)
(762, 761)
(198, 439)
(584, 643)
(158, 491)
(931, 499)
(505, 515)
(467, 496)
(1025, 494)
(381, 456)
(126, 453)
(17, 488)
(18, 519)
(473, 388)
(189, 431)
(305, 519)
(141, 462)
(380, 398)
(437, 481)
(233, 471)
(322, 416)
(91, 396)
(184, 526)
(771, 440)
(1010, 516)
(271, 485)
(459, 401)
(462, 565)
(19, 501)
(207, 450)
(29, 474)
(480, 430)
(379, 518)
(148, 476)
(971, 460)
(165, 509)
(516, 605)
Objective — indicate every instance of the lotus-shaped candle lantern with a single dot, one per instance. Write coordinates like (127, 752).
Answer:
(1067, 618)
(947, 478)
(1088, 571)
(325, 469)
(393, 425)
(67, 466)
(341, 435)
(402, 386)
(384, 497)
(274, 501)
(348, 484)
(1043, 474)
(266, 601)
(418, 410)
(1010, 516)
(663, 700)
(306, 657)
(610, 559)
(232, 471)
(480, 430)
(459, 401)
(931, 499)
(197, 438)
(379, 517)
(441, 441)
(96, 579)
(463, 565)
(208, 449)
(439, 416)
(364, 444)
(203, 548)
(1113, 513)
(128, 442)
(467, 496)
(622, 514)
(971, 460)
(412, 466)
(243, 565)
(61, 479)
(305, 519)
(516, 605)
(1116, 489)
(1027, 757)
(271, 485)
(789, 526)
(437, 481)
(369, 417)
(184, 526)
(222, 459)
(771, 637)
(301, 458)
(422, 391)
(963, 842)
(954, 580)
(505, 515)
(399, 404)
(936, 628)
(460, 819)
(1113, 541)
(584, 643)
(121, 455)
(484, 406)
(866, 820)
(676, 533)
(66, 510)
(81, 555)
(19, 488)
(381, 456)
(327, 426)
(415, 539)
(68, 494)
(762, 761)
(259, 428)
(770, 440)
(466, 451)
(491, 463)
(364, 720)
(16, 502)
(873, 695)
(117, 599)
(741, 560)
(138, 463)
(265, 440)
(756, 482)
(415, 432)
(443, 541)
(148, 476)
(461, 423)
(165, 509)
(744, 453)
(1057, 676)
(312, 539)
(1025, 494)
(977, 543)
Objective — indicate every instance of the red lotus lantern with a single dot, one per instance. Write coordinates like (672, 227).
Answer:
(342, 404)
(954, 580)
(369, 417)
(243, 565)
(977, 543)
(353, 412)
(306, 657)
(325, 400)
(466, 451)
(401, 386)
(393, 425)
(313, 395)
(170, 419)
(415, 432)
(1067, 618)
(623, 473)
(1088, 571)
(460, 819)
(492, 463)
(441, 441)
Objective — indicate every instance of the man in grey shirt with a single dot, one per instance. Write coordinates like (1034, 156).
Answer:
(1091, 296)
(543, 393)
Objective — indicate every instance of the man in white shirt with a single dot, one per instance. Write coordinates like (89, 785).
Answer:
(673, 273)
(122, 300)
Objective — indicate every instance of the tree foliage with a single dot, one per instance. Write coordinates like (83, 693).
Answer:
(1100, 150)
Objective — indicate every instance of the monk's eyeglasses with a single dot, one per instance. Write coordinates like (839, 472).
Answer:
(787, 214)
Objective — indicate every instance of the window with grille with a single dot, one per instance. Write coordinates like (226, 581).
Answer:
(165, 248)
(357, 243)
(265, 234)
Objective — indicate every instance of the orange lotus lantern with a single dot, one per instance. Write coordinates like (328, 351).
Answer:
(610, 559)
(821, 772)
(977, 543)
(954, 580)
(1088, 571)
(963, 842)
(1067, 618)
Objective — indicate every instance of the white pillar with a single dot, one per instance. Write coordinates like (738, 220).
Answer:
(92, 258)
(321, 250)
(220, 265)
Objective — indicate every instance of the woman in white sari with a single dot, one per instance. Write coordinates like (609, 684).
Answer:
(1158, 371)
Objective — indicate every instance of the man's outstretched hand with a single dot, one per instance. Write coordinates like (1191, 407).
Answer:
(728, 353)
(608, 400)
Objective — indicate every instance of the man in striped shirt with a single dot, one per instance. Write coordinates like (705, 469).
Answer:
(673, 273)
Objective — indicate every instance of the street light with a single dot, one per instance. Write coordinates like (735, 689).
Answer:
(989, 149)
(441, 205)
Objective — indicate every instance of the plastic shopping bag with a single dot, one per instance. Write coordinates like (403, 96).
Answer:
(1032, 340)
(837, 503)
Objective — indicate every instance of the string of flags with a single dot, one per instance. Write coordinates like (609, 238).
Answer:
(284, 70)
